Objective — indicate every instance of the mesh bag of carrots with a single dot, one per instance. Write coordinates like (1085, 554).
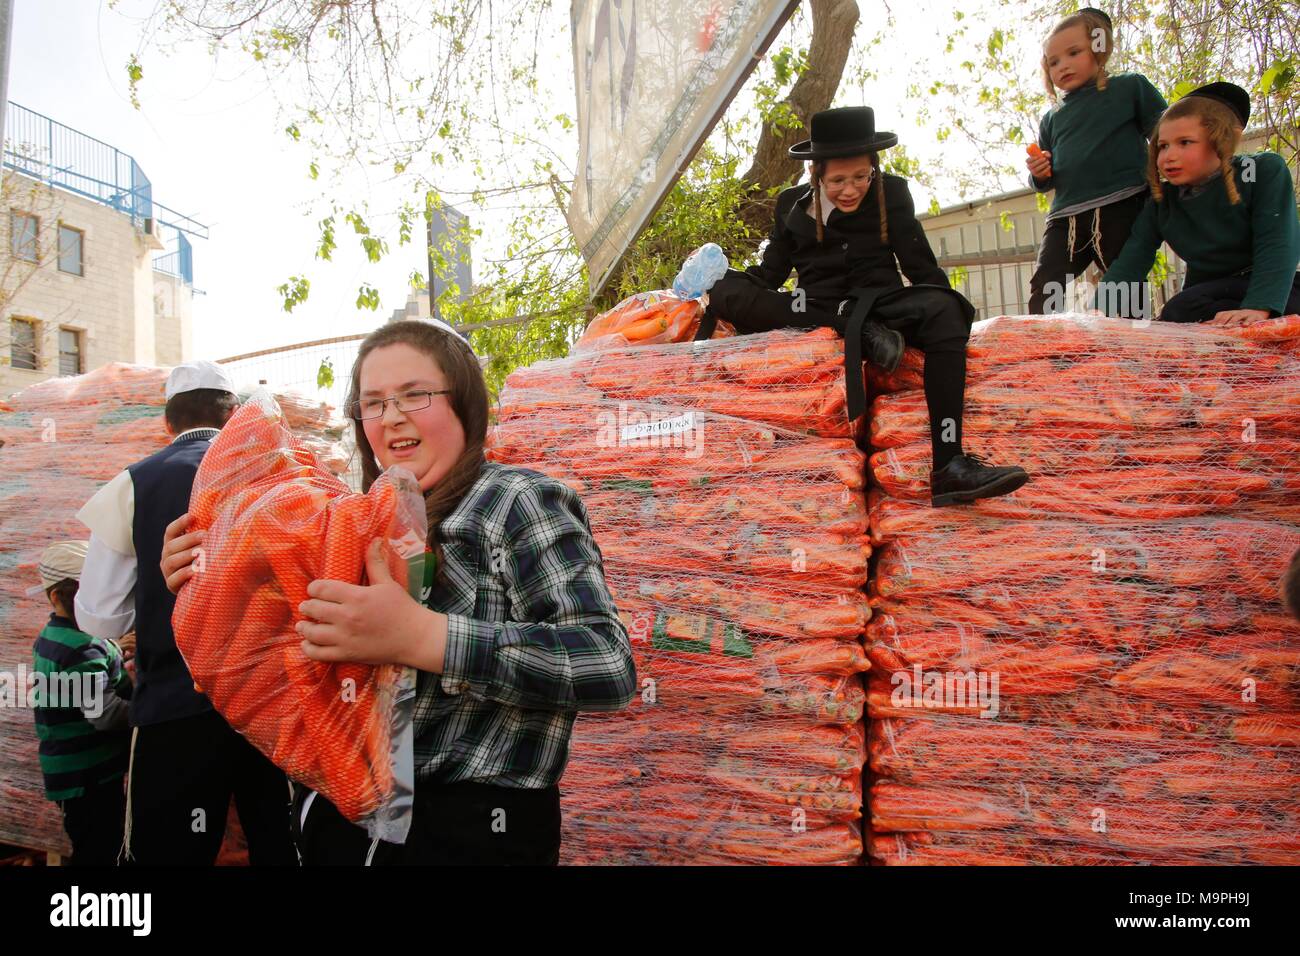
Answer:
(647, 318)
(736, 550)
(277, 520)
(60, 440)
(1097, 668)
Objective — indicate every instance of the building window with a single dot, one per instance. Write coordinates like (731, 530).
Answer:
(22, 343)
(23, 230)
(70, 352)
(70, 243)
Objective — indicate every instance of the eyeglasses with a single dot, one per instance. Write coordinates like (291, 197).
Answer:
(369, 408)
(839, 182)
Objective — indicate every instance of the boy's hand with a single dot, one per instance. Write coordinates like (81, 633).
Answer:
(1040, 164)
(178, 553)
(1234, 318)
(374, 623)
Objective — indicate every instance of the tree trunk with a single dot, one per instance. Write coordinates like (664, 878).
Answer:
(834, 23)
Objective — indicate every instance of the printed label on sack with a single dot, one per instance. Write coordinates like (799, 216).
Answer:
(667, 426)
(690, 633)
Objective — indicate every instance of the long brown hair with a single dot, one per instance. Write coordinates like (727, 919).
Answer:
(818, 170)
(469, 402)
(1091, 23)
(1225, 135)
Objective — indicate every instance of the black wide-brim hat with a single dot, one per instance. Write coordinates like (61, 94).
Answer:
(1230, 95)
(846, 131)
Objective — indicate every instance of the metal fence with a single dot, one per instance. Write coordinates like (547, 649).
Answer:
(44, 149)
(49, 152)
(295, 368)
(989, 249)
(179, 263)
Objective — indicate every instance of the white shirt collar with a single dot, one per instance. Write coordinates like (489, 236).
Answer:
(191, 431)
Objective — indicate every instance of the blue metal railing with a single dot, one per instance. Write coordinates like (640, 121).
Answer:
(179, 263)
(37, 146)
(46, 150)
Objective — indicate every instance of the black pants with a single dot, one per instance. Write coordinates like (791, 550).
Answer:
(1056, 264)
(1201, 302)
(94, 822)
(929, 319)
(183, 775)
(454, 824)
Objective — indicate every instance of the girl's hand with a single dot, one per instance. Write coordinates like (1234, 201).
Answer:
(178, 553)
(377, 623)
(1040, 164)
(1233, 318)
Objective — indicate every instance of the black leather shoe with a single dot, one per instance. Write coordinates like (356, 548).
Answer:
(969, 477)
(880, 346)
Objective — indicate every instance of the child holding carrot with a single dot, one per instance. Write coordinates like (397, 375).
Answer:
(1232, 219)
(518, 634)
(1091, 152)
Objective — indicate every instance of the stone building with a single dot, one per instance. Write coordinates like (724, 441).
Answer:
(86, 275)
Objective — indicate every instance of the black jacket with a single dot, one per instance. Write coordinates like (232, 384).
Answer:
(852, 255)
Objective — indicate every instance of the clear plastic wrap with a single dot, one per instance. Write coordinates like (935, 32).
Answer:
(1140, 695)
(736, 552)
(277, 520)
(60, 441)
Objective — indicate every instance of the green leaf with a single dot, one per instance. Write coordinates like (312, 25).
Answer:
(134, 74)
(327, 244)
(325, 374)
(367, 297)
(294, 292)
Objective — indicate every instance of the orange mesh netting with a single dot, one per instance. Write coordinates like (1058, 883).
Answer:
(1126, 600)
(276, 520)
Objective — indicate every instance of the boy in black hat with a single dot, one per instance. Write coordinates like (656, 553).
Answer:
(1231, 218)
(847, 234)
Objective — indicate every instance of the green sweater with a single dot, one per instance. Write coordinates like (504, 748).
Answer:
(1217, 239)
(1098, 140)
(75, 668)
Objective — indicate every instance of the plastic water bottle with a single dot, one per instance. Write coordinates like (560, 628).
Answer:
(703, 267)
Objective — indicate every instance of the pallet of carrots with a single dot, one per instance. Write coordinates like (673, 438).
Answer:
(1097, 668)
(60, 441)
(736, 550)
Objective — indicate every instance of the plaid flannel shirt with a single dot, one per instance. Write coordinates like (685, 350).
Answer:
(533, 635)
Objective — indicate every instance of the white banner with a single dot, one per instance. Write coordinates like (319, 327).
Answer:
(653, 78)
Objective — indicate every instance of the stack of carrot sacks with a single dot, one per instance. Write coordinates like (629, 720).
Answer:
(735, 547)
(1097, 668)
(60, 441)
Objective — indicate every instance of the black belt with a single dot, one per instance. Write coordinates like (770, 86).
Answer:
(855, 389)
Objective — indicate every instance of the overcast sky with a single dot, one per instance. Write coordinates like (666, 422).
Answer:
(210, 139)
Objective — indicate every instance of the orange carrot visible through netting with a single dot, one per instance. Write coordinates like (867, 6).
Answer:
(276, 521)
